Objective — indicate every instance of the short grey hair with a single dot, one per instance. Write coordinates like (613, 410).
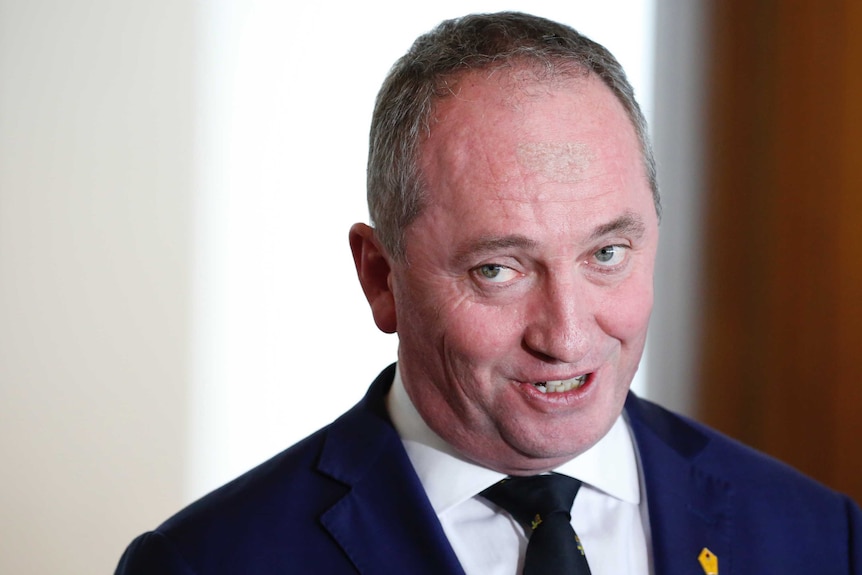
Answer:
(424, 75)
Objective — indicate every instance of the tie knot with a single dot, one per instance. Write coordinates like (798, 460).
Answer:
(531, 500)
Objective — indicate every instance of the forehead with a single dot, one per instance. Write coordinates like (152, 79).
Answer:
(522, 135)
(564, 162)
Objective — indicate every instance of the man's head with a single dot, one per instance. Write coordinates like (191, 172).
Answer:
(521, 282)
(426, 75)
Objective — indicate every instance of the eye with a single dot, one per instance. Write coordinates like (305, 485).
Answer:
(610, 256)
(496, 273)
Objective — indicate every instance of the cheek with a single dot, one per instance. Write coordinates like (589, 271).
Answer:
(437, 318)
(624, 313)
(481, 334)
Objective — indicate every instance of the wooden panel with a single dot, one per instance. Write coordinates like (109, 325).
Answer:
(848, 395)
(782, 340)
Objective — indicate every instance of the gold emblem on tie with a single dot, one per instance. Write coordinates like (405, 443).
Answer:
(709, 562)
(580, 547)
(537, 520)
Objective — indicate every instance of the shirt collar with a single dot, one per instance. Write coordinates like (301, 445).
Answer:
(449, 479)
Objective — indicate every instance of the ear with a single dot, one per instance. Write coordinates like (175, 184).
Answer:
(373, 269)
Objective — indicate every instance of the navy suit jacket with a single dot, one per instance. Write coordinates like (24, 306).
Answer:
(346, 500)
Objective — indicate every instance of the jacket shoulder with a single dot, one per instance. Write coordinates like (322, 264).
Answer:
(268, 520)
(254, 521)
(764, 506)
(712, 450)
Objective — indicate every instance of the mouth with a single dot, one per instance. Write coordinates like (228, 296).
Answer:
(561, 385)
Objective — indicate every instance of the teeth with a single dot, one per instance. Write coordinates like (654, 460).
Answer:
(561, 385)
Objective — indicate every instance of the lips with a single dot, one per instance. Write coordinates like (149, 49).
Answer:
(560, 385)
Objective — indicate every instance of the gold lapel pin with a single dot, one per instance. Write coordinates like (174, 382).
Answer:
(709, 562)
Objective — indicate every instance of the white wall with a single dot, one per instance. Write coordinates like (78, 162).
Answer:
(96, 102)
(679, 139)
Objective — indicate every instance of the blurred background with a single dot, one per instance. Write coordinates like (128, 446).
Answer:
(177, 297)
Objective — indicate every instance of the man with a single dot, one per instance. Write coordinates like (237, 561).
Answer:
(513, 192)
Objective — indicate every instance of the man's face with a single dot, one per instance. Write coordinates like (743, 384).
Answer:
(532, 263)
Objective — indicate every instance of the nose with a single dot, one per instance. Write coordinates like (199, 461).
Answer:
(558, 326)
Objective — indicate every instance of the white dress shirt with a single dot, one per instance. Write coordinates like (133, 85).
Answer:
(609, 514)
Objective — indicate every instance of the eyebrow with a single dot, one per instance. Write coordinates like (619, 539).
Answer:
(628, 224)
(492, 244)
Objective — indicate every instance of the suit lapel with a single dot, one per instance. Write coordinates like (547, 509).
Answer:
(689, 508)
(384, 523)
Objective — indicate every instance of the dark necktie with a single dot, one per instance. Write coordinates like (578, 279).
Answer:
(542, 504)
